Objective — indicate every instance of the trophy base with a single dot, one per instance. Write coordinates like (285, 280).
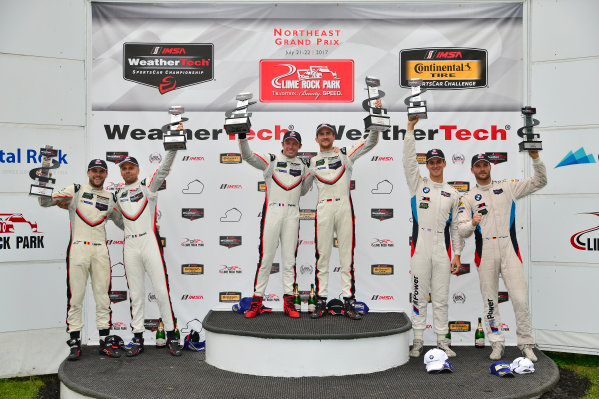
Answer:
(174, 141)
(530, 146)
(237, 125)
(377, 123)
(419, 111)
(40, 191)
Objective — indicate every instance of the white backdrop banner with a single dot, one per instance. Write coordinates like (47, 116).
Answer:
(305, 65)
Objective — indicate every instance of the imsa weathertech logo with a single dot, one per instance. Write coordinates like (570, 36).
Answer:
(381, 213)
(229, 296)
(321, 81)
(421, 158)
(306, 155)
(192, 269)
(192, 213)
(168, 66)
(444, 68)
(459, 326)
(464, 269)
(461, 186)
(117, 296)
(229, 241)
(381, 270)
(275, 268)
(231, 158)
(502, 296)
(307, 214)
(116, 156)
(496, 157)
(151, 324)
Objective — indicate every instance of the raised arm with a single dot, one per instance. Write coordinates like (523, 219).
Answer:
(66, 194)
(356, 151)
(410, 163)
(536, 182)
(259, 161)
(162, 171)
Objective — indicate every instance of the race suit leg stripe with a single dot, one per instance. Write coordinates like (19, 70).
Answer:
(260, 245)
(488, 274)
(78, 273)
(100, 280)
(345, 227)
(289, 235)
(421, 283)
(324, 230)
(135, 279)
(513, 276)
(69, 295)
(269, 241)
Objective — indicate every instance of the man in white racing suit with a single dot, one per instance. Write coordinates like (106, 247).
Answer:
(335, 213)
(489, 210)
(89, 206)
(285, 178)
(143, 253)
(434, 206)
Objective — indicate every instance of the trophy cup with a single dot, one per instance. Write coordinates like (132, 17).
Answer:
(415, 104)
(377, 120)
(42, 175)
(173, 139)
(526, 133)
(238, 120)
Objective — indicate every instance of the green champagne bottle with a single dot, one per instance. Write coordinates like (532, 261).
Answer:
(312, 299)
(177, 332)
(160, 335)
(297, 301)
(479, 335)
(448, 337)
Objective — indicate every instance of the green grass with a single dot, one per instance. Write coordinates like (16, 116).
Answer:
(584, 365)
(20, 388)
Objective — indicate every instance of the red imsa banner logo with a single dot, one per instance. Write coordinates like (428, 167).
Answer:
(296, 81)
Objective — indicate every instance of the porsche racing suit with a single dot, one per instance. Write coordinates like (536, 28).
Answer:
(286, 180)
(87, 254)
(434, 225)
(497, 250)
(143, 251)
(335, 213)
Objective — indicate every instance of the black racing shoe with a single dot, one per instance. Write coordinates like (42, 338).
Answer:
(350, 309)
(320, 309)
(75, 349)
(135, 347)
(174, 348)
(107, 349)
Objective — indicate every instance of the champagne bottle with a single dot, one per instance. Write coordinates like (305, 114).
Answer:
(177, 332)
(160, 335)
(448, 337)
(297, 301)
(479, 335)
(312, 300)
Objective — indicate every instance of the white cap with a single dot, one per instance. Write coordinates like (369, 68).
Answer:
(436, 361)
(522, 365)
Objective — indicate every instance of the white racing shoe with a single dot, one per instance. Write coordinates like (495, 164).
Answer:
(497, 351)
(444, 346)
(527, 351)
(417, 348)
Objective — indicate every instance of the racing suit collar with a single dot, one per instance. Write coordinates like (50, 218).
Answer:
(484, 188)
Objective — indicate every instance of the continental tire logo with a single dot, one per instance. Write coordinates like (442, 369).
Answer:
(192, 269)
(307, 214)
(229, 296)
(444, 68)
(421, 158)
(461, 186)
(262, 186)
(459, 326)
(381, 270)
(230, 158)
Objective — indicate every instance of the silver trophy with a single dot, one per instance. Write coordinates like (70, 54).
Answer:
(237, 121)
(526, 133)
(42, 175)
(173, 136)
(377, 120)
(416, 106)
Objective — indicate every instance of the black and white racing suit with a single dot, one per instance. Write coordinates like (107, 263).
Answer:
(497, 250)
(335, 213)
(87, 254)
(286, 180)
(434, 230)
(143, 251)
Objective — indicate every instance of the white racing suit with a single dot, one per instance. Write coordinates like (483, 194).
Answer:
(143, 251)
(285, 180)
(434, 230)
(87, 254)
(497, 249)
(335, 213)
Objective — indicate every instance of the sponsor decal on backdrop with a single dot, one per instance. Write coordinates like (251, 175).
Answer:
(381, 243)
(383, 187)
(576, 158)
(271, 298)
(151, 324)
(168, 66)
(444, 67)
(193, 187)
(192, 269)
(155, 157)
(306, 269)
(119, 325)
(116, 156)
(496, 157)
(377, 297)
(190, 158)
(192, 242)
(459, 326)
(381, 270)
(307, 80)
(262, 186)
(229, 241)
(583, 240)
(231, 216)
(230, 158)
(502, 296)
(30, 156)
(117, 296)
(307, 214)
(19, 233)
(187, 297)
(224, 269)
(306, 37)
(459, 297)
(118, 269)
(458, 158)
(421, 158)
(381, 213)
(192, 213)
(229, 296)
(461, 186)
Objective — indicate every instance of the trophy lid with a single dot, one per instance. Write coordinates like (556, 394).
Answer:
(176, 110)
(244, 96)
(414, 82)
(372, 81)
